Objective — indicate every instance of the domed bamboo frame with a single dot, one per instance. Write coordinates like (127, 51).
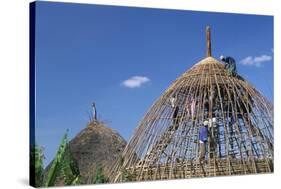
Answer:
(165, 145)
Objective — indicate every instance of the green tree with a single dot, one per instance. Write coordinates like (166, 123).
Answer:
(69, 170)
(63, 167)
(36, 164)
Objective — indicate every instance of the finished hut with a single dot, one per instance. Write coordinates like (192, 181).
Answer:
(96, 147)
(238, 118)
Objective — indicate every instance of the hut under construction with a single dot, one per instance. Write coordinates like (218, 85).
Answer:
(165, 145)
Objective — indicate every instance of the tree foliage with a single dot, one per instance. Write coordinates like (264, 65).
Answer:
(63, 168)
(36, 164)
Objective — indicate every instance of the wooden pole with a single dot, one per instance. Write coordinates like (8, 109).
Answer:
(208, 36)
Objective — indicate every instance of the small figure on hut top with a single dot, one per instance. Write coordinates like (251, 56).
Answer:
(203, 138)
(230, 65)
(94, 111)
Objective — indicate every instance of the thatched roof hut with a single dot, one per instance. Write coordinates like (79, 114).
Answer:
(240, 128)
(96, 146)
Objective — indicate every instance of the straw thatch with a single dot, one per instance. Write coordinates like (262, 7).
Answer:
(96, 146)
(166, 141)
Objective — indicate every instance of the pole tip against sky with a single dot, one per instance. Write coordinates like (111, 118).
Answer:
(208, 36)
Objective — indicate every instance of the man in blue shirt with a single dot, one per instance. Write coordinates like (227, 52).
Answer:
(203, 139)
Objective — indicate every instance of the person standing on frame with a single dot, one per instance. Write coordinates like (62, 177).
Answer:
(190, 108)
(175, 114)
(203, 139)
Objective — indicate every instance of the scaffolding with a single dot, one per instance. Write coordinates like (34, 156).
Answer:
(166, 144)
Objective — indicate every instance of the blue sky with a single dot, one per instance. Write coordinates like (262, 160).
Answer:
(124, 58)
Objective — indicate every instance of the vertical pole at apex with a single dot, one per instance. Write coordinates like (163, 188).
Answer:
(208, 37)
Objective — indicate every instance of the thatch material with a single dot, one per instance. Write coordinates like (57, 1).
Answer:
(96, 146)
(166, 140)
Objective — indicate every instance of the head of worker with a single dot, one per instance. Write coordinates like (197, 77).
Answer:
(222, 58)
(206, 123)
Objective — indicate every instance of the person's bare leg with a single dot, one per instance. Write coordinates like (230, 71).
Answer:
(202, 151)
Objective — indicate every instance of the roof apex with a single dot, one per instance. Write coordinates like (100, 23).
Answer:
(208, 60)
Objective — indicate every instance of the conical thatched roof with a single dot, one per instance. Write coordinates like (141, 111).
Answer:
(96, 146)
(240, 119)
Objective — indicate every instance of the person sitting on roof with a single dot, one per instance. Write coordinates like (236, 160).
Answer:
(230, 65)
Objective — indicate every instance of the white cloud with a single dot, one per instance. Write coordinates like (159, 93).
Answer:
(255, 61)
(135, 81)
